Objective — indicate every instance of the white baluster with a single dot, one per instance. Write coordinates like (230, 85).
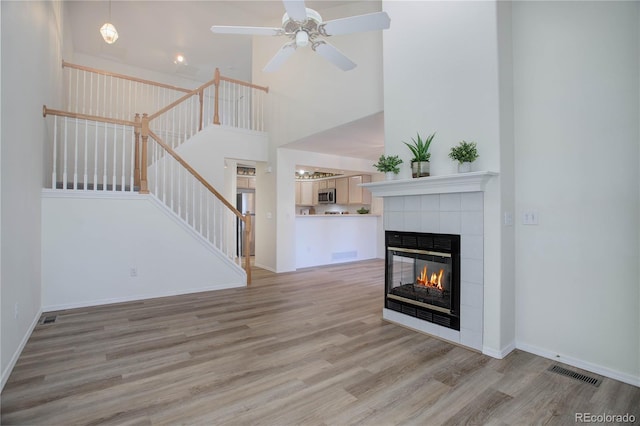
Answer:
(104, 169)
(64, 167)
(124, 151)
(86, 144)
(54, 173)
(132, 159)
(115, 158)
(95, 159)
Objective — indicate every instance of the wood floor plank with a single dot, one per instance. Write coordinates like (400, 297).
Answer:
(304, 348)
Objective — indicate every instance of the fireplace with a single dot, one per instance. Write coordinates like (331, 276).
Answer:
(422, 276)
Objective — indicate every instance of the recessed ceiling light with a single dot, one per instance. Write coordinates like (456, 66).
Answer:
(180, 60)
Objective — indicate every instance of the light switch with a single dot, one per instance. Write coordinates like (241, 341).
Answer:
(530, 217)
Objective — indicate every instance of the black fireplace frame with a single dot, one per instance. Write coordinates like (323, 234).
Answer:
(442, 243)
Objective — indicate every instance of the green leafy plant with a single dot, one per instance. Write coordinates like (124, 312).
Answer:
(388, 164)
(363, 210)
(420, 148)
(464, 152)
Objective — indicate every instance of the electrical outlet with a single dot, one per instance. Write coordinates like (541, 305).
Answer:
(133, 272)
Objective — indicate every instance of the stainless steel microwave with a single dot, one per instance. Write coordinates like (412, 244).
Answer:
(327, 196)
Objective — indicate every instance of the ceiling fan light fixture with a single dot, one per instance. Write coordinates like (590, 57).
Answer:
(109, 33)
(302, 38)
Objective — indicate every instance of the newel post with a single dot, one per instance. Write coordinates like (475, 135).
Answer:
(144, 184)
(136, 161)
(247, 246)
(216, 83)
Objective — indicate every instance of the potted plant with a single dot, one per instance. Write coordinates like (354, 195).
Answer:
(388, 165)
(464, 153)
(421, 155)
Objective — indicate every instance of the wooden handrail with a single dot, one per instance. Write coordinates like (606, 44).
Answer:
(180, 100)
(48, 111)
(124, 77)
(195, 174)
(244, 83)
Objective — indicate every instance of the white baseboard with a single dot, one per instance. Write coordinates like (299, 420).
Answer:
(499, 354)
(14, 359)
(268, 268)
(578, 363)
(99, 302)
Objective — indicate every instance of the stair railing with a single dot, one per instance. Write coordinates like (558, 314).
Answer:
(92, 153)
(95, 147)
(183, 190)
(223, 100)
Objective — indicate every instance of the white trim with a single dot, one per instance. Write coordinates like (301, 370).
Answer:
(578, 363)
(446, 184)
(268, 268)
(101, 302)
(14, 359)
(499, 354)
(90, 193)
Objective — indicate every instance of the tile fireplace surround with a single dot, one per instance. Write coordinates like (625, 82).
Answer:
(452, 204)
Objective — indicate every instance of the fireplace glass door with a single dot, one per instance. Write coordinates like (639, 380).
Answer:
(421, 276)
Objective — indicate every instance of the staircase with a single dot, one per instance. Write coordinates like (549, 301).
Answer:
(119, 135)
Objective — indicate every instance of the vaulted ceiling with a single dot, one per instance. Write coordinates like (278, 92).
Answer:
(152, 33)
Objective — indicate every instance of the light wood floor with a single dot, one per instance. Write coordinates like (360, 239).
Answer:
(298, 348)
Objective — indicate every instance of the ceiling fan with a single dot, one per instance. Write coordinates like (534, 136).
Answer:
(305, 26)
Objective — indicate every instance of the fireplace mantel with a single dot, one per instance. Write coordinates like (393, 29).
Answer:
(459, 182)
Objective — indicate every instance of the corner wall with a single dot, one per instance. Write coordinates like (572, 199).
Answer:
(31, 75)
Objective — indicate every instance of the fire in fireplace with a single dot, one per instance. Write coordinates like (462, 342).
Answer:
(422, 277)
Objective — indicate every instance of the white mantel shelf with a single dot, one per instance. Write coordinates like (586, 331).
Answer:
(459, 182)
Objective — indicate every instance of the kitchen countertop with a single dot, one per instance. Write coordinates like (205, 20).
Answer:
(339, 215)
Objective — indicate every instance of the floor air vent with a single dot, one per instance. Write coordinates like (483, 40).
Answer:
(49, 320)
(583, 378)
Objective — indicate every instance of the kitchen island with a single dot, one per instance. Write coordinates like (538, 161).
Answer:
(328, 239)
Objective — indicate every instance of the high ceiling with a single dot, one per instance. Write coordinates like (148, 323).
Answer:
(152, 33)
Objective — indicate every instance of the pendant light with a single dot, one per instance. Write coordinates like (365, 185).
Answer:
(108, 31)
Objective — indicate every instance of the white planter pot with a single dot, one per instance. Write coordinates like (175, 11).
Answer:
(464, 167)
(390, 176)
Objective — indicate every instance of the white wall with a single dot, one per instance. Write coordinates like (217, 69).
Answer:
(441, 74)
(576, 127)
(104, 238)
(31, 55)
(206, 152)
(306, 95)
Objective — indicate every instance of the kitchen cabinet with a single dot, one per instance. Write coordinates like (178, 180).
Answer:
(244, 182)
(357, 194)
(342, 190)
(331, 183)
(307, 193)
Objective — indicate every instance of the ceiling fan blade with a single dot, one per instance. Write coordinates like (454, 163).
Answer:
(296, 10)
(223, 29)
(333, 55)
(356, 24)
(283, 54)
